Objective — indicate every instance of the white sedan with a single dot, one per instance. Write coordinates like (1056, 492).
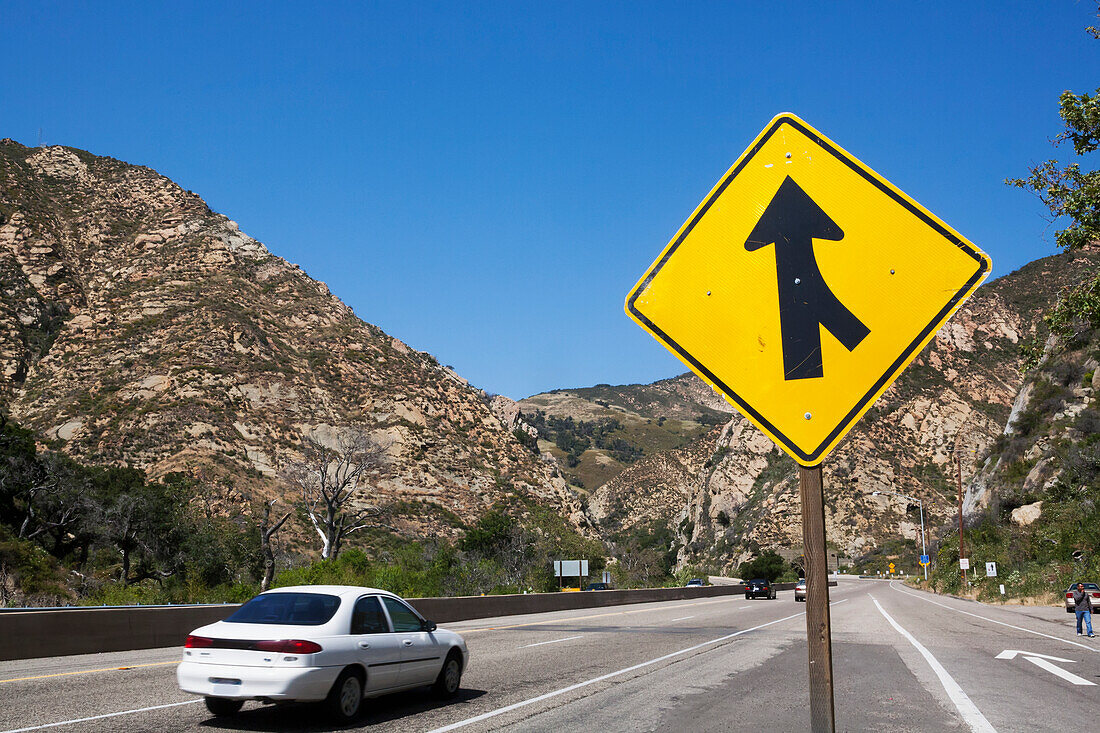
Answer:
(331, 643)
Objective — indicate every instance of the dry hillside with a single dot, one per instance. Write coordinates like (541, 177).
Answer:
(138, 326)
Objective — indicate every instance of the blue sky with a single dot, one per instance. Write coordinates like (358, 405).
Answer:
(487, 180)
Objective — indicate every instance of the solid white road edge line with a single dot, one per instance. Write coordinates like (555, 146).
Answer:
(601, 678)
(101, 717)
(967, 709)
(552, 641)
(682, 618)
(993, 621)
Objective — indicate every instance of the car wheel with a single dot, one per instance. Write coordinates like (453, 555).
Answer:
(345, 697)
(450, 677)
(222, 707)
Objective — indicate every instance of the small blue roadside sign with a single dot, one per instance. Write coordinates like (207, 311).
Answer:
(924, 559)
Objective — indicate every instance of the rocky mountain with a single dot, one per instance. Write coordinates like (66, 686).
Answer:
(1032, 507)
(730, 492)
(137, 326)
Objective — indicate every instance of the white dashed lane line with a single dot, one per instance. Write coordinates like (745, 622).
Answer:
(601, 678)
(552, 641)
(100, 717)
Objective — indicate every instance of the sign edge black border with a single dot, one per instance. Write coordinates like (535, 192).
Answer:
(894, 367)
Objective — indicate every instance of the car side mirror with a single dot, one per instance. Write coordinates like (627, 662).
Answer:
(427, 625)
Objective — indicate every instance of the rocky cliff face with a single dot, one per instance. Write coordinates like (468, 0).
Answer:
(1051, 439)
(139, 326)
(730, 493)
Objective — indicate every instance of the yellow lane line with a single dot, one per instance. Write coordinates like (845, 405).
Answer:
(89, 671)
(595, 615)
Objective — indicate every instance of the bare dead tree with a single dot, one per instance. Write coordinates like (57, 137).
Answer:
(329, 483)
(267, 531)
(640, 566)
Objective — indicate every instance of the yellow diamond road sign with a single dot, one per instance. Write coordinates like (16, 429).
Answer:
(802, 285)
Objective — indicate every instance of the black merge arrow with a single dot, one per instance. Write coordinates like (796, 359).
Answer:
(791, 222)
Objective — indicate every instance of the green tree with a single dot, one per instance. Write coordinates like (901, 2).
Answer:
(139, 519)
(1068, 190)
(491, 534)
(767, 564)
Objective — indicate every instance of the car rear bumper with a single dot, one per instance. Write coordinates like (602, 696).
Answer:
(247, 683)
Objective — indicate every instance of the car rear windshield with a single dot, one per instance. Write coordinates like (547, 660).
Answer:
(294, 609)
(1088, 586)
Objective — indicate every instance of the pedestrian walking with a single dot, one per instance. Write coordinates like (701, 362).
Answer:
(1082, 606)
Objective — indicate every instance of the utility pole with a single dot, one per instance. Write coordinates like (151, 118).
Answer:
(959, 478)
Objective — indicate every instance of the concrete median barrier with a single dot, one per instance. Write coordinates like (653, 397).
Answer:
(59, 632)
(33, 633)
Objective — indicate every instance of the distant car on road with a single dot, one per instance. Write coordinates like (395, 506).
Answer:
(1091, 588)
(694, 583)
(800, 591)
(598, 586)
(330, 643)
(759, 588)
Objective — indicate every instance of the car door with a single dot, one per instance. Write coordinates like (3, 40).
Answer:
(376, 646)
(422, 657)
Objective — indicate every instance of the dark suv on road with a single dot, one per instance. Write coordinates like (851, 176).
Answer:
(759, 588)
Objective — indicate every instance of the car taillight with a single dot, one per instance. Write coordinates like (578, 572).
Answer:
(1069, 595)
(287, 646)
(198, 642)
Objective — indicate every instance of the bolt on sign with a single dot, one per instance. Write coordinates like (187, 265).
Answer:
(802, 286)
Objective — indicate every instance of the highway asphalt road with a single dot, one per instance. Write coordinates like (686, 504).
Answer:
(902, 659)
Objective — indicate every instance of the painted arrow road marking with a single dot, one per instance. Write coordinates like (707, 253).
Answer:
(1011, 654)
(1041, 661)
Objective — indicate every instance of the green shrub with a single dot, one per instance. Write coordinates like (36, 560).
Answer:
(28, 570)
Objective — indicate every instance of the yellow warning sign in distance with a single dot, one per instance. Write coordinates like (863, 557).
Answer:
(803, 285)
